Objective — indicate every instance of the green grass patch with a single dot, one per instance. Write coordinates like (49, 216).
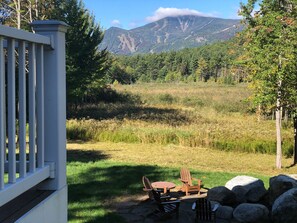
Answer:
(96, 183)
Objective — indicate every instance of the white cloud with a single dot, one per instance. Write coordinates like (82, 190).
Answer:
(161, 13)
(116, 23)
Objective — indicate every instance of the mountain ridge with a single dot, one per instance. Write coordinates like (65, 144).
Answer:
(170, 33)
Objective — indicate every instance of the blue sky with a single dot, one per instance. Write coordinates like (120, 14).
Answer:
(129, 14)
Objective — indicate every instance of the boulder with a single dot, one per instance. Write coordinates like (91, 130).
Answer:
(222, 195)
(240, 193)
(284, 208)
(224, 213)
(247, 188)
(251, 213)
(280, 184)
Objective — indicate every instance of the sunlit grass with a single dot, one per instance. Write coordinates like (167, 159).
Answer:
(207, 115)
(100, 175)
(198, 158)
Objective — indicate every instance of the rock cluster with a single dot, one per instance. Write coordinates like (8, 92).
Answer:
(244, 199)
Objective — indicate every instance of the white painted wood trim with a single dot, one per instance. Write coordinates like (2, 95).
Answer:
(2, 114)
(23, 35)
(22, 108)
(32, 107)
(11, 191)
(11, 111)
(40, 105)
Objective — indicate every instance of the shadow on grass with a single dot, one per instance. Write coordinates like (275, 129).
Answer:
(131, 111)
(93, 186)
(84, 156)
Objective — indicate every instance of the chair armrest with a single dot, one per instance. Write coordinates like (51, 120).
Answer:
(171, 202)
(196, 179)
(194, 206)
(159, 190)
(184, 181)
(215, 207)
(165, 197)
(199, 182)
(147, 190)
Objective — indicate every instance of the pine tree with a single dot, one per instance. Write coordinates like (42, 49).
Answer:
(85, 64)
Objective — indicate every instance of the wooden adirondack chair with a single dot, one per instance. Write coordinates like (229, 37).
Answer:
(166, 208)
(204, 211)
(187, 180)
(147, 187)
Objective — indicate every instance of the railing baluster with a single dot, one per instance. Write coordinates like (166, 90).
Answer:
(2, 114)
(40, 106)
(22, 109)
(11, 111)
(22, 105)
(32, 115)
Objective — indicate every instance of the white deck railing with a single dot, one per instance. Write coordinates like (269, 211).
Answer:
(23, 66)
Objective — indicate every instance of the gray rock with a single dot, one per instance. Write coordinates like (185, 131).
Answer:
(247, 188)
(240, 180)
(284, 208)
(222, 195)
(240, 193)
(224, 212)
(251, 213)
(280, 184)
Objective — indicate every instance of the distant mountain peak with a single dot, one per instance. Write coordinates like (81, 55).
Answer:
(170, 33)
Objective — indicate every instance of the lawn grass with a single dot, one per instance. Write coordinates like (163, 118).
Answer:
(102, 174)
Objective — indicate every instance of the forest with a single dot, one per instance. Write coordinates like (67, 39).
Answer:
(219, 62)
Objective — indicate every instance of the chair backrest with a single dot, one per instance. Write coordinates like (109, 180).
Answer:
(204, 211)
(185, 175)
(146, 183)
(148, 187)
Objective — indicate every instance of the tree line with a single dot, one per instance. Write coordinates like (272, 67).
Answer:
(216, 62)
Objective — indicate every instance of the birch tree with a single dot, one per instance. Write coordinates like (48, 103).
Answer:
(20, 13)
(271, 43)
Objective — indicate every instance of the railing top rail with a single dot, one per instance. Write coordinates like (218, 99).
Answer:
(23, 35)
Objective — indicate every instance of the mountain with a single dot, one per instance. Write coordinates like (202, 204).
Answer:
(171, 33)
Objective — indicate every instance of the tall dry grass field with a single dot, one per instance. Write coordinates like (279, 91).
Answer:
(193, 115)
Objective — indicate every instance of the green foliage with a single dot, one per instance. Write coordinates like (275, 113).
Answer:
(271, 46)
(20, 13)
(85, 64)
(213, 61)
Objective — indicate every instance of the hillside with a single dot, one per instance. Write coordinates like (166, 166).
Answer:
(171, 33)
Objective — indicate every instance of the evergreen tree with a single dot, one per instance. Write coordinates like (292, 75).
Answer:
(85, 64)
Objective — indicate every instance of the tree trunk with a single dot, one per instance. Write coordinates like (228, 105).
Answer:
(278, 118)
(295, 139)
(17, 4)
(278, 139)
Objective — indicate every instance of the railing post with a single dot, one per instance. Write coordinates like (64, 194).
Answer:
(54, 101)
